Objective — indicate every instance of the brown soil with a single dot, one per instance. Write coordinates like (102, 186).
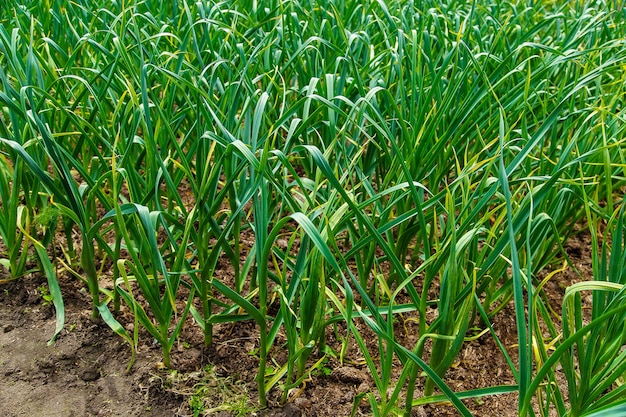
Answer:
(84, 372)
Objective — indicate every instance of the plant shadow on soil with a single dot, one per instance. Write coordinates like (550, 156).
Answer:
(83, 373)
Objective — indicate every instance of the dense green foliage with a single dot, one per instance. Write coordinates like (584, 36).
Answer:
(405, 155)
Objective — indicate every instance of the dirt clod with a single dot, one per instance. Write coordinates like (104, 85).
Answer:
(89, 375)
(349, 375)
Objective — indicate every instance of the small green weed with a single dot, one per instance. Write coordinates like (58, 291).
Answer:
(44, 292)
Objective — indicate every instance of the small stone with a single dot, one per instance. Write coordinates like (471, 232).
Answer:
(8, 328)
